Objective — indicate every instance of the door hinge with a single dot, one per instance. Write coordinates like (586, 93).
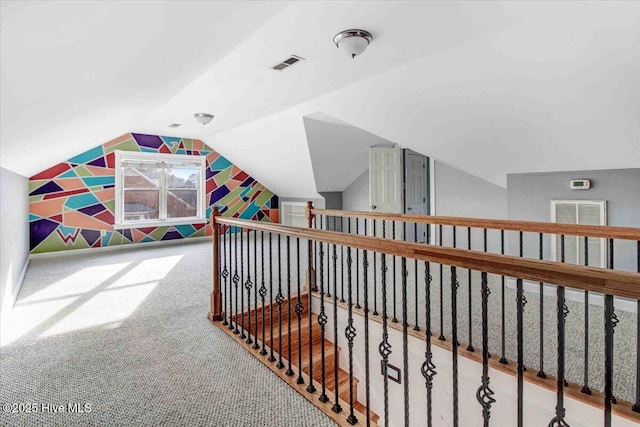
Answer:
(424, 200)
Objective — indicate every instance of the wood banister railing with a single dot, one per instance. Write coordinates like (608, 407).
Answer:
(626, 233)
(610, 282)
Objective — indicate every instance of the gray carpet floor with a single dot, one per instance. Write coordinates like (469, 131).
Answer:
(156, 362)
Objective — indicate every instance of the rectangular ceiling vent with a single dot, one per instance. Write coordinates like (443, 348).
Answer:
(287, 62)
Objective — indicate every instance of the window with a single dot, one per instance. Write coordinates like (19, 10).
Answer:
(583, 212)
(158, 189)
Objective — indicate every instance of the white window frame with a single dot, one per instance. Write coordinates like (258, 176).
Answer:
(198, 161)
(603, 221)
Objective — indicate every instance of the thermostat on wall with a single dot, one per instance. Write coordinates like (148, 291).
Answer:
(579, 184)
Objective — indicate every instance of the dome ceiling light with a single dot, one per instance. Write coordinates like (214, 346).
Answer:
(203, 118)
(353, 42)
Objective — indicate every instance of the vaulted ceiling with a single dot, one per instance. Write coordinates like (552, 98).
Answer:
(489, 87)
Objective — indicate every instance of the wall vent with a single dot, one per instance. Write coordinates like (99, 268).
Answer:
(175, 125)
(287, 62)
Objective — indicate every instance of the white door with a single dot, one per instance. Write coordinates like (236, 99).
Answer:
(385, 179)
(416, 179)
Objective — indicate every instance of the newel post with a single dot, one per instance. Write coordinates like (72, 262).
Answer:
(308, 213)
(216, 294)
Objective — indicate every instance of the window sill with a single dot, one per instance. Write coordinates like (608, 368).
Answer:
(159, 223)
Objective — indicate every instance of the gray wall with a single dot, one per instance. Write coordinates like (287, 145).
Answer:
(332, 199)
(460, 194)
(356, 196)
(530, 195)
(14, 237)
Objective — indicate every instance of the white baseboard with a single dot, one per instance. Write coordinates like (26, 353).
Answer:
(73, 252)
(10, 301)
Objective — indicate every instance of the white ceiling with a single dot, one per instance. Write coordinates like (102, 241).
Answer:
(489, 87)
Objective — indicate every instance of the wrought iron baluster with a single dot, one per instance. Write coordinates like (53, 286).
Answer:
(350, 334)
(289, 370)
(520, 300)
(310, 388)
(236, 279)
(441, 337)
(454, 340)
(470, 346)
(322, 321)
(375, 274)
(225, 276)
(562, 311)
(385, 348)
(585, 387)
(541, 373)
(248, 285)
(336, 362)
(405, 341)
(484, 395)
(279, 301)
(230, 280)
(609, 316)
(428, 367)
(342, 262)
(358, 269)
(299, 309)
(256, 346)
(503, 358)
(272, 358)
(393, 236)
(242, 284)
(367, 380)
(415, 271)
(263, 294)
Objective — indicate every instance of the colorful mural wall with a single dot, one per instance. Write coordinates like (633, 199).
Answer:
(72, 204)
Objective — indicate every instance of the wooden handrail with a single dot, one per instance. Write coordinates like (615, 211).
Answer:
(591, 279)
(626, 233)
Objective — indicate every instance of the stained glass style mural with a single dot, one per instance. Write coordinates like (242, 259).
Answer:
(72, 204)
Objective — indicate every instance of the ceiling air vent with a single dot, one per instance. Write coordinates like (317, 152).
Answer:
(287, 62)
(175, 125)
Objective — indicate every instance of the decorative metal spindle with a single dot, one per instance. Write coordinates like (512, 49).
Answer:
(358, 269)
(263, 293)
(299, 309)
(520, 300)
(585, 388)
(415, 272)
(385, 348)
(405, 341)
(236, 279)
(441, 337)
(609, 317)
(256, 346)
(484, 395)
(289, 370)
(342, 262)
(562, 311)
(503, 358)
(322, 321)
(225, 275)
(242, 284)
(310, 388)
(470, 346)
(428, 368)
(367, 379)
(541, 373)
(230, 280)
(375, 275)
(393, 236)
(350, 334)
(636, 406)
(454, 340)
(336, 362)
(279, 301)
(248, 286)
(272, 358)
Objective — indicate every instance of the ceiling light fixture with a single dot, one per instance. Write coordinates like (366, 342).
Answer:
(353, 42)
(203, 118)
